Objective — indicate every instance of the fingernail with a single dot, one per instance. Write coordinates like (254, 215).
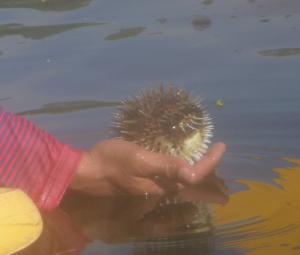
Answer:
(186, 175)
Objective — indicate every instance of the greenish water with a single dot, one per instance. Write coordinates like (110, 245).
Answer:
(64, 65)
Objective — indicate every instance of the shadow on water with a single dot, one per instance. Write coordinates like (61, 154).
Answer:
(285, 52)
(125, 33)
(207, 2)
(201, 22)
(4, 99)
(40, 32)
(49, 5)
(67, 107)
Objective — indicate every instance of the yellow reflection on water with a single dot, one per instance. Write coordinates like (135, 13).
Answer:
(263, 219)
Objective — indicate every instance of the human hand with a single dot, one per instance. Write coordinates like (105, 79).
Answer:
(116, 167)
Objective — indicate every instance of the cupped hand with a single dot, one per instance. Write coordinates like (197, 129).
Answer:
(115, 167)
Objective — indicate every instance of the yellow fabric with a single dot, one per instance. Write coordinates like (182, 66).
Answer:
(20, 221)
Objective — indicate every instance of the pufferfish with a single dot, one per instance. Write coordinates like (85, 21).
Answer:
(166, 121)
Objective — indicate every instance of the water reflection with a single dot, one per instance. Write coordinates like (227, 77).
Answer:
(40, 32)
(281, 52)
(265, 20)
(59, 236)
(263, 219)
(207, 2)
(260, 220)
(49, 5)
(125, 33)
(4, 99)
(179, 223)
(201, 22)
(66, 107)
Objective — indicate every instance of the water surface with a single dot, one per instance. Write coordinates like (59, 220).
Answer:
(66, 64)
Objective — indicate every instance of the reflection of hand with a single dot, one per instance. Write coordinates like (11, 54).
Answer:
(59, 236)
(115, 167)
(212, 190)
(117, 219)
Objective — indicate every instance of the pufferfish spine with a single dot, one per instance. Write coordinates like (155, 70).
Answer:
(166, 121)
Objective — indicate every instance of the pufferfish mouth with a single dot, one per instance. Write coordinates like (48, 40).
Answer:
(165, 121)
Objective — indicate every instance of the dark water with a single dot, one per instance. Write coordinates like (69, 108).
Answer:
(64, 62)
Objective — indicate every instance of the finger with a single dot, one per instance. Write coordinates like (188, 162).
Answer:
(208, 163)
(189, 175)
(150, 164)
(158, 186)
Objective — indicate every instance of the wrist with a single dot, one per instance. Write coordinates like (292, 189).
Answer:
(79, 179)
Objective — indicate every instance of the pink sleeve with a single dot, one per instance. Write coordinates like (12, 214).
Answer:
(34, 161)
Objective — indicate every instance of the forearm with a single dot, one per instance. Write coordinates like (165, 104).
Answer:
(34, 161)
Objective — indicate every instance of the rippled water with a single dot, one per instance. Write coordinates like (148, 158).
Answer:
(65, 62)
